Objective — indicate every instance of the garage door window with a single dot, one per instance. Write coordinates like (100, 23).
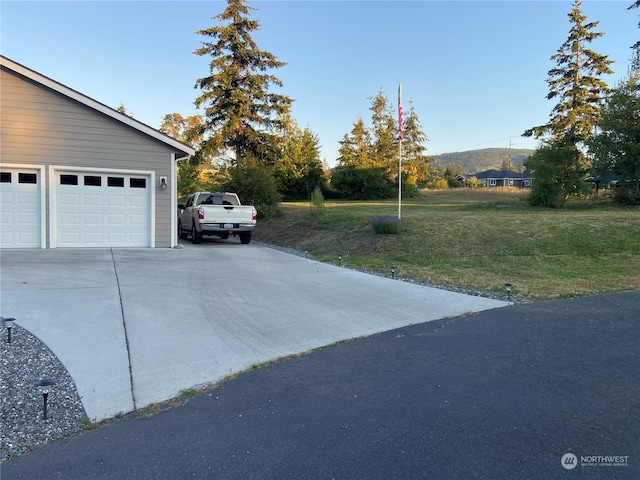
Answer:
(68, 179)
(92, 181)
(138, 182)
(115, 181)
(27, 178)
(5, 177)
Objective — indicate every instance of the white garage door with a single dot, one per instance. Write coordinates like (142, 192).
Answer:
(102, 210)
(20, 208)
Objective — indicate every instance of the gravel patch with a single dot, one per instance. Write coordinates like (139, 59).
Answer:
(23, 363)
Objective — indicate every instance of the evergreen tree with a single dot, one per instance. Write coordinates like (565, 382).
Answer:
(560, 166)
(384, 149)
(241, 112)
(299, 169)
(360, 174)
(415, 163)
(616, 146)
(368, 161)
(507, 164)
(355, 147)
(576, 82)
(122, 109)
(185, 130)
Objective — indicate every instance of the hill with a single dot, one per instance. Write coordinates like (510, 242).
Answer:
(474, 161)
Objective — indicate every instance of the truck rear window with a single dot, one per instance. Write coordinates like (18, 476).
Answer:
(217, 199)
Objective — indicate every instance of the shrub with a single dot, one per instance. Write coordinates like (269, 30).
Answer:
(255, 185)
(387, 224)
(363, 183)
(626, 196)
(438, 184)
(317, 200)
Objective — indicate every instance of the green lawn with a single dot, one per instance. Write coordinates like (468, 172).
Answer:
(477, 239)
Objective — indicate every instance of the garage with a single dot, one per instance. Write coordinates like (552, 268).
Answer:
(21, 215)
(102, 209)
(77, 173)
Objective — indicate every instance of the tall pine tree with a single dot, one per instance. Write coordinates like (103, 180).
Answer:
(384, 149)
(560, 165)
(298, 169)
(415, 162)
(241, 111)
(355, 148)
(577, 84)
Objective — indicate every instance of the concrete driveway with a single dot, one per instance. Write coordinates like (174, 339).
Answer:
(136, 326)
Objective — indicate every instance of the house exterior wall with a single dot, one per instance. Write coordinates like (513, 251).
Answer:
(39, 126)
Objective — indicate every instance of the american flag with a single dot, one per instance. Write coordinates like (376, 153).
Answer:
(400, 112)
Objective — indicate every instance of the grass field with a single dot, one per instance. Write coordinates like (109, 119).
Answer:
(475, 239)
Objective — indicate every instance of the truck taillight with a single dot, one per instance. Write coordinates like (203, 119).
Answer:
(200, 213)
(255, 215)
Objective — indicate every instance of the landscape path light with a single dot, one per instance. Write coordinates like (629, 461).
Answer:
(8, 323)
(393, 271)
(508, 287)
(43, 385)
(339, 260)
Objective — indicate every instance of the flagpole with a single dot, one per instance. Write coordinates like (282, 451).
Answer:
(400, 120)
(400, 182)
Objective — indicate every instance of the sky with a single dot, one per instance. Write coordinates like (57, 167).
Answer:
(475, 71)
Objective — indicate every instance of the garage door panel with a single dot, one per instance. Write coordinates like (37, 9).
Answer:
(27, 218)
(28, 238)
(116, 201)
(138, 220)
(69, 219)
(90, 200)
(20, 203)
(93, 239)
(117, 220)
(117, 238)
(137, 201)
(110, 214)
(138, 238)
(92, 219)
(28, 198)
(69, 199)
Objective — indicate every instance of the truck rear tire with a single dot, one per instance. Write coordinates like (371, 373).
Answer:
(181, 233)
(245, 238)
(196, 237)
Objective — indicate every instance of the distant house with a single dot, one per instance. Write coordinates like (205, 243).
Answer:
(505, 178)
(77, 173)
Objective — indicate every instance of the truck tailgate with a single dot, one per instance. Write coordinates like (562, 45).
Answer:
(228, 214)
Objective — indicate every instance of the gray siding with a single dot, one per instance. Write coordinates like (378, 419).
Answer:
(43, 127)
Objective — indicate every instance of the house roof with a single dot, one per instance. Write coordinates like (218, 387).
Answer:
(500, 174)
(180, 147)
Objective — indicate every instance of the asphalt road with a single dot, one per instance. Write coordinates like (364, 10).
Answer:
(501, 394)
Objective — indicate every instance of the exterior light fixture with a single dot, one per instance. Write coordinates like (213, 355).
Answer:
(8, 323)
(339, 260)
(44, 385)
(163, 183)
(306, 254)
(393, 271)
(507, 286)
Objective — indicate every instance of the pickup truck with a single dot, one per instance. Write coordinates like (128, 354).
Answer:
(216, 213)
